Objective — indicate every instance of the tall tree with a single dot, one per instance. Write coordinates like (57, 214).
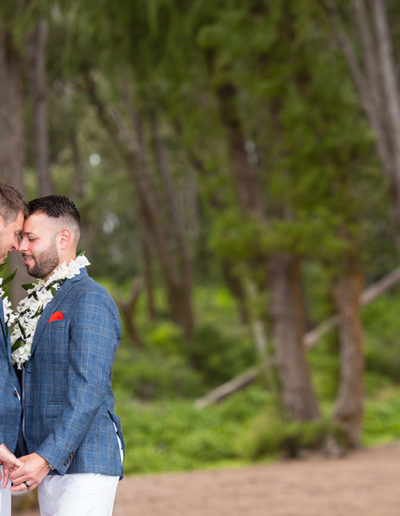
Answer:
(12, 146)
(367, 45)
(132, 147)
(283, 274)
(36, 64)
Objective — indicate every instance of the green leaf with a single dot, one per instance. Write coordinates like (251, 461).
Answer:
(38, 311)
(54, 283)
(9, 278)
(17, 345)
(22, 329)
(28, 286)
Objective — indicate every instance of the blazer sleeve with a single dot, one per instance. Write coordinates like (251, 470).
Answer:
(95, 333)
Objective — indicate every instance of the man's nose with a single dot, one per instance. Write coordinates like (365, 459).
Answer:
(16, 243)
(20, 244)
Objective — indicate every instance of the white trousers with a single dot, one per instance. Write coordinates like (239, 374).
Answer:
(5, 501)
(77, 494)
(5, 497)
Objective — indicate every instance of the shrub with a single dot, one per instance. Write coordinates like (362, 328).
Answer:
(381, 418)
(217, 357)
(244, 404)
(174, 435)
(166, 338)
(268, 435)
(382, 344)
(151, 376)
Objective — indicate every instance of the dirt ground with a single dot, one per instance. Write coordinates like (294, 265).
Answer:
(364, 483)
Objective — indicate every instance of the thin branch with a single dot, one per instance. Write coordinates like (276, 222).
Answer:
(369, 294)
(228, 388)
(310, 339)
(369, 54)
(363, 87)
(389, 76)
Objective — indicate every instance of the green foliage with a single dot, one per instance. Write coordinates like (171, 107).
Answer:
(217, 357)
(268, 434)
(151, 375)
(175, 435)
(381, 418)
(382, 328)
(166, 338)
(312, 154)
(375, 383)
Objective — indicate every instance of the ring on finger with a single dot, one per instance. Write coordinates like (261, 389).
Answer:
(27, 484)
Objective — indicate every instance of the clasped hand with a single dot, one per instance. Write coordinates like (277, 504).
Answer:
(9, 462)
(29, 474)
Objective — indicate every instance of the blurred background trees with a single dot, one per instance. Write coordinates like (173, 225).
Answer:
(236, 166)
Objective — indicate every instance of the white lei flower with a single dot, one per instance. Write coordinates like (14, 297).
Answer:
(31, 307)
(9, 316)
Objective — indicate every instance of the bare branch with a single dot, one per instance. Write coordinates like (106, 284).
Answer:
(372, 292)
(389, 77)
(365, 90)
(369, 54)
(228, 388)
(310, 339)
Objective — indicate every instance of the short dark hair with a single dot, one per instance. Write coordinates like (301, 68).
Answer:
(11, 203)
(58, 207)
(55, 206)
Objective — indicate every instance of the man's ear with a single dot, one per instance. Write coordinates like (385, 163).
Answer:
(65, 237)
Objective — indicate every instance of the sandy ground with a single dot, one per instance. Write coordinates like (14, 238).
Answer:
(365, 483)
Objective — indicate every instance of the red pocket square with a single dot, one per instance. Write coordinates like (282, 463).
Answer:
(57, 316)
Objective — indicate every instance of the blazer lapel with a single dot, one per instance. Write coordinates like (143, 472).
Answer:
(52, 306)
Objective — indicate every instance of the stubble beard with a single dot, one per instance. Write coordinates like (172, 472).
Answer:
(44, 264)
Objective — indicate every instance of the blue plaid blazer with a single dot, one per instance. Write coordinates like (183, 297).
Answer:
(10, 395)
(68, 402)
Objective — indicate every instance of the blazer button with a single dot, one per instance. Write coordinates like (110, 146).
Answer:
(16, 394)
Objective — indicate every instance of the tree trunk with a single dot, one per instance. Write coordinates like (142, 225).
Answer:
(147, 261)
(176, 227)
(128, 311)
(12, 124)
(311, 338)
(36, 51)
(283, 273)
(179, 298)
(131, 146)
(12, 148)
(246, 180)
(287, 334)
(349, 404)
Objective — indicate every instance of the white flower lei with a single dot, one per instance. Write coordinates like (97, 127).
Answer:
(9, 316)
(31, 307)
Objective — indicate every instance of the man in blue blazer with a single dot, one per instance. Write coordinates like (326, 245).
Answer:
(12, 211)
(71, 333)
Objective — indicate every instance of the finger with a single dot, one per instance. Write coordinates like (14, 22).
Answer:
(19, 480)
(32, 485)
(18, 474)
(6, 476)
(19, 488)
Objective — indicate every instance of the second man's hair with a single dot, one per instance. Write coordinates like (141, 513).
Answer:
(58, 207)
